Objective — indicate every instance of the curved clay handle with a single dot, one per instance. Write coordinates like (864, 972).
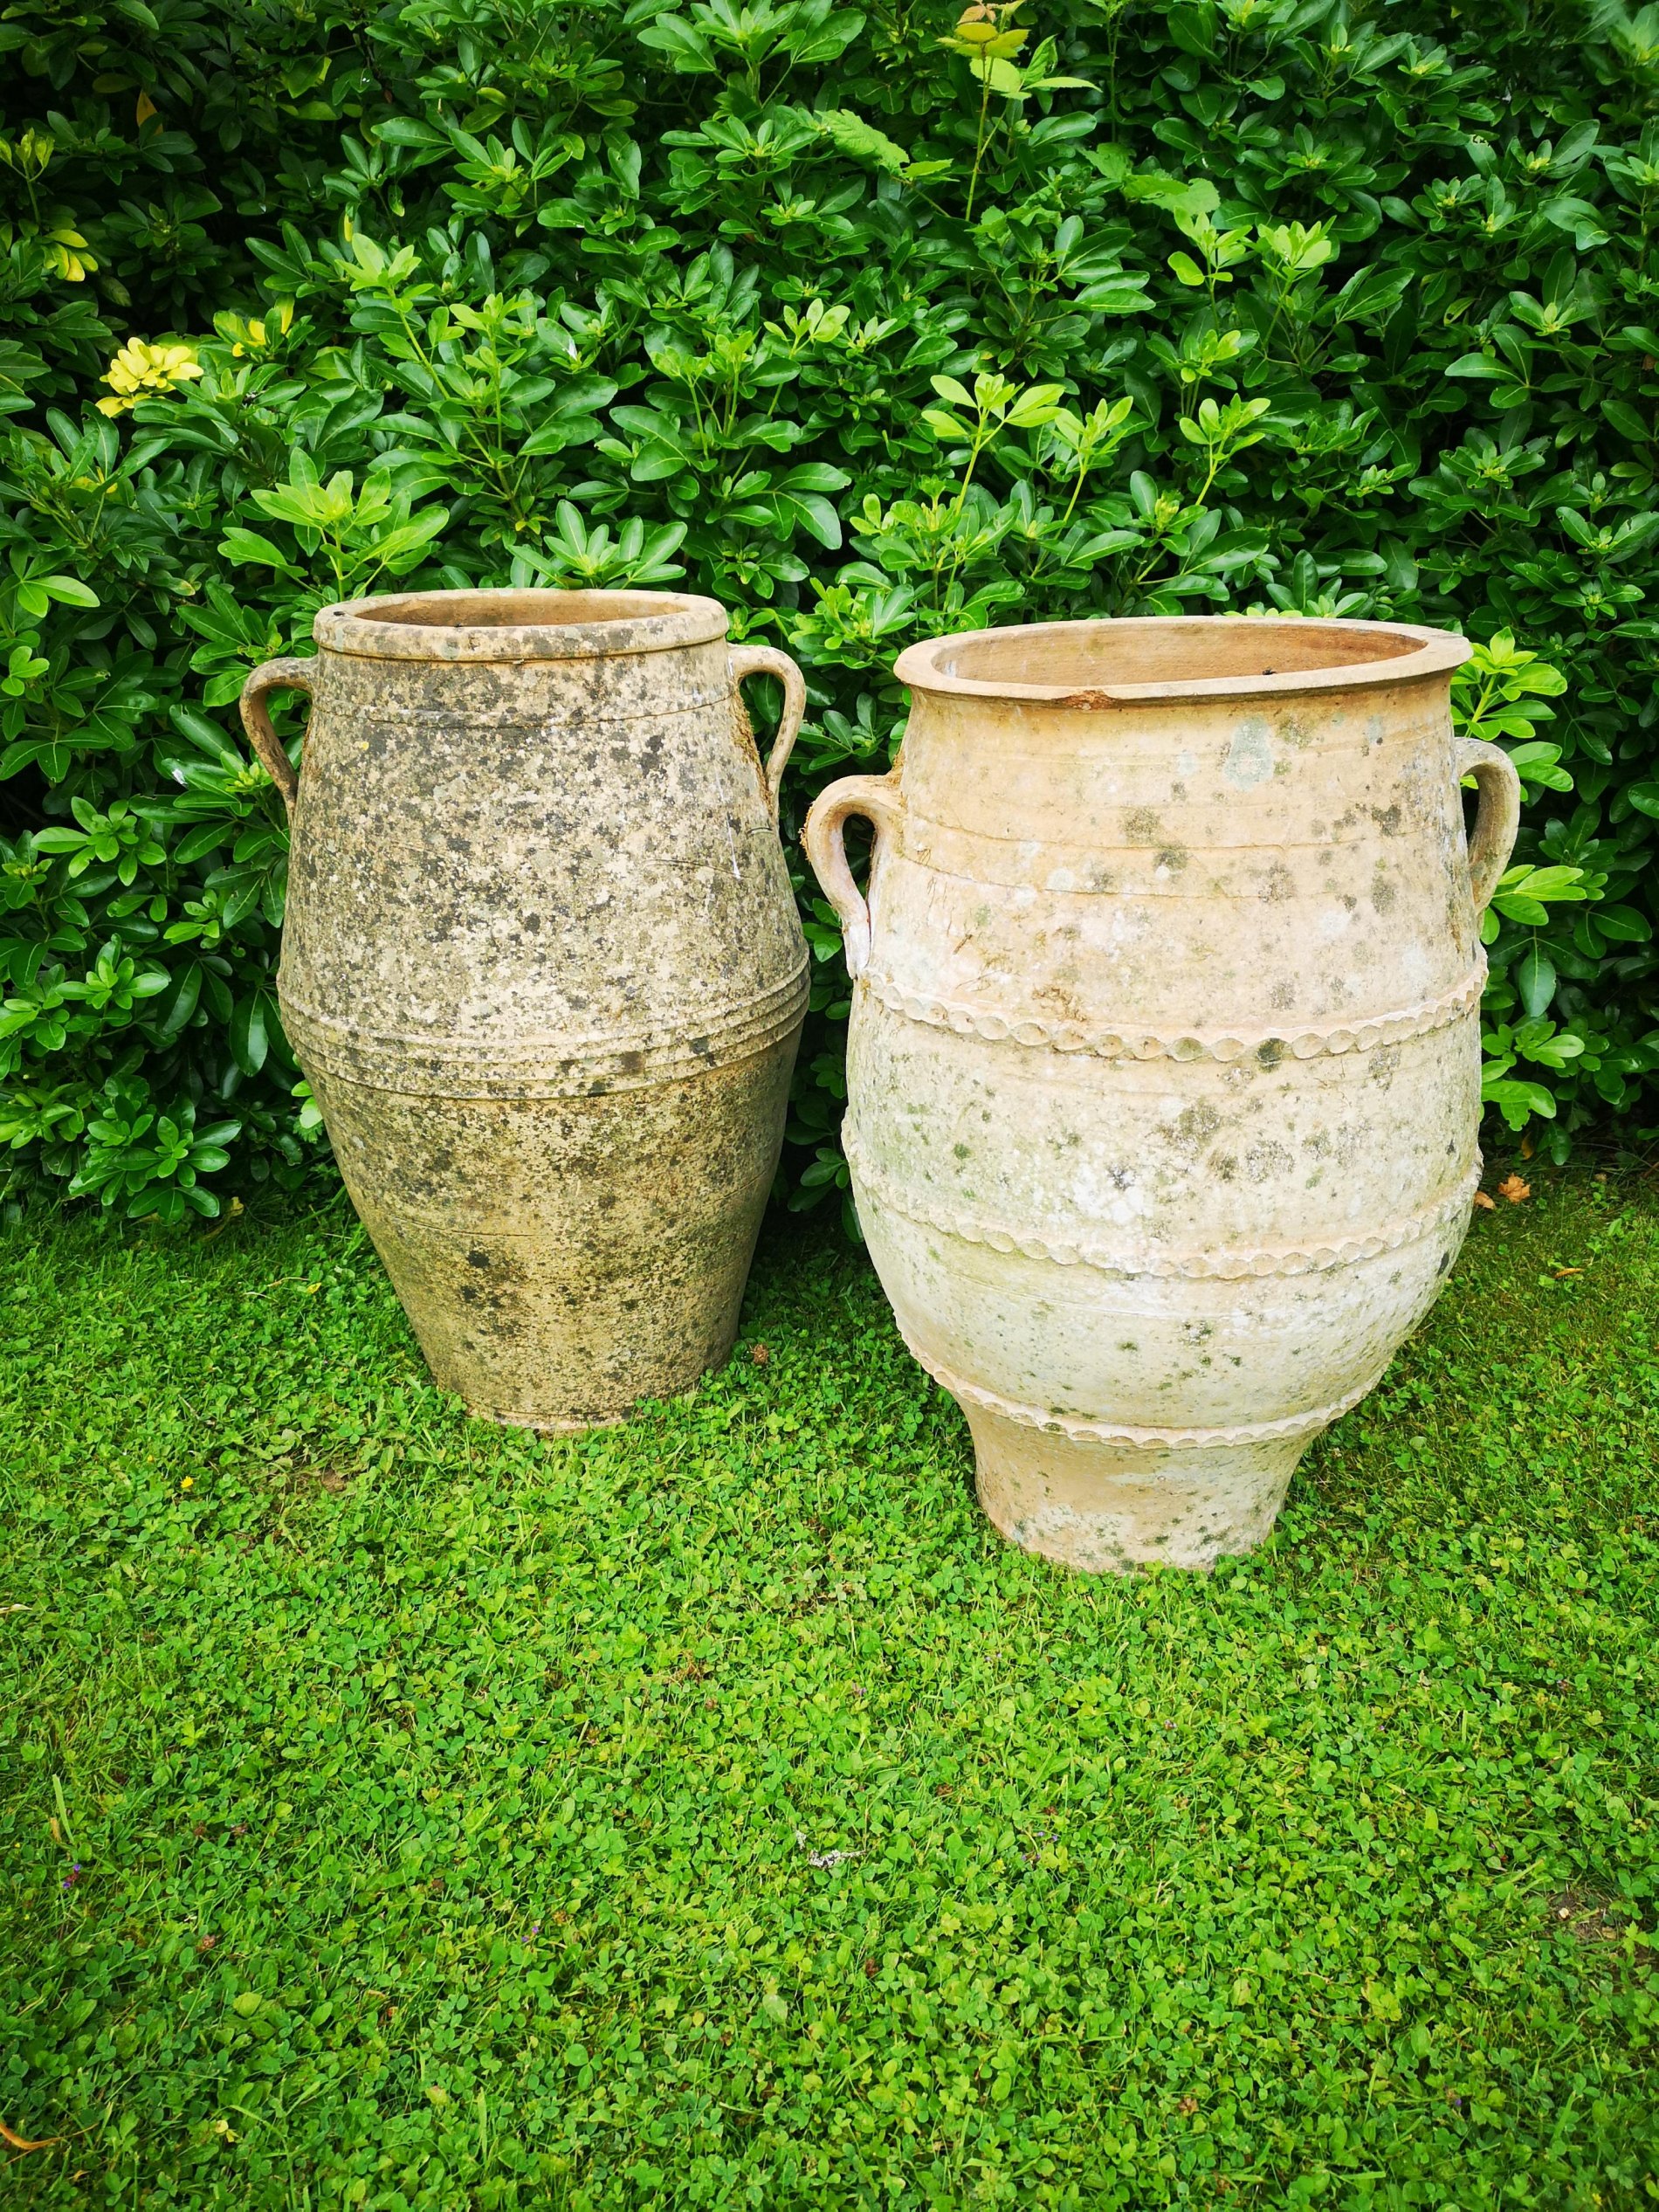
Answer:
(275, 676)
(1496, 819)
(766, 660)
(878, 799)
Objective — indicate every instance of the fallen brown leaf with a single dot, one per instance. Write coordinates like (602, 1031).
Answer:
(22, 2143)
(1514, 1189)
(1489, 1204)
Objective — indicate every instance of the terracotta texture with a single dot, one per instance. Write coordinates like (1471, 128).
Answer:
(1163, 1070)
(542, 969)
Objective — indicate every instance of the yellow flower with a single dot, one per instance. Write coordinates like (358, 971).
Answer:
(140, 370)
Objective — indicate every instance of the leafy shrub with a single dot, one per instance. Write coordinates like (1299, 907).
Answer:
(870, 323)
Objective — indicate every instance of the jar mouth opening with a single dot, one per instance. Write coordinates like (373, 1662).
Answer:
(517, 625)
(1143, 660)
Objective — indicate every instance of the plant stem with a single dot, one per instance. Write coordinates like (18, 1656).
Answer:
(979, 150)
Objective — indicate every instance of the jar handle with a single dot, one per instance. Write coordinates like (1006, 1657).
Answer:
(766, 660)
(275, 676)
(1498, 818)
(877, 798)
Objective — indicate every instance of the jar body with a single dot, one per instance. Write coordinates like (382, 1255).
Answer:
(542, 969)
(1164, 1084)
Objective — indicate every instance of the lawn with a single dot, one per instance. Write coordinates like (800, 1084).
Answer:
(403, 1812)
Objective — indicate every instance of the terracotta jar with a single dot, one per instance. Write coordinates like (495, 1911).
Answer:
(1164, 1073)
(542, 969)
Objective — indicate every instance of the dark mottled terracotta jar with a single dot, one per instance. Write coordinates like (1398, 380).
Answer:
(543, 971)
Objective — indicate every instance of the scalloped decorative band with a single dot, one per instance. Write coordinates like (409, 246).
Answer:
(1111, 1432)
(1269, 1047)
(1113, 1259)
(551, 1067)
(583, 716)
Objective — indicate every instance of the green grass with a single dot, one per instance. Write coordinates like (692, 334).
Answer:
(715, 1812)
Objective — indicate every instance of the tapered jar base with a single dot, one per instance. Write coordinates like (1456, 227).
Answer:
(1108, 1508)
(562, 1259)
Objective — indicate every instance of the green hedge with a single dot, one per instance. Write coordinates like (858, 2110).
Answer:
(870, 322)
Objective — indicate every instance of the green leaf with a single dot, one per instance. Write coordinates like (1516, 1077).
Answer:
(1625, 924)
(1579, 219)
(861, 141)
(409, 130)
(246, 548)
(1535, 979)
(249, 1041)
(206, 733)
(810, 512)
(1629, 421)
(1038, 404)
(666, 451)
(399, 548)
(685, 47)
(1176, 194)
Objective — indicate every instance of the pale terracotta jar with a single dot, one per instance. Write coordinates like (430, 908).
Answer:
(542, 969)
(1164, 1072)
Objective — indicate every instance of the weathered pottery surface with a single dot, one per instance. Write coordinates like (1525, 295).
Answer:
(1164, 1075)
(543, 971)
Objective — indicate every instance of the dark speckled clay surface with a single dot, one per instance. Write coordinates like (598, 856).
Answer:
(543, 971)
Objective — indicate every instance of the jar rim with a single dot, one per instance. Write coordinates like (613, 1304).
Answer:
(1152, 659)
(513, 624)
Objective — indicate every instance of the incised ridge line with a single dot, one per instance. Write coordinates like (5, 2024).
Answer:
(553, 1066)
(1112, 1432)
